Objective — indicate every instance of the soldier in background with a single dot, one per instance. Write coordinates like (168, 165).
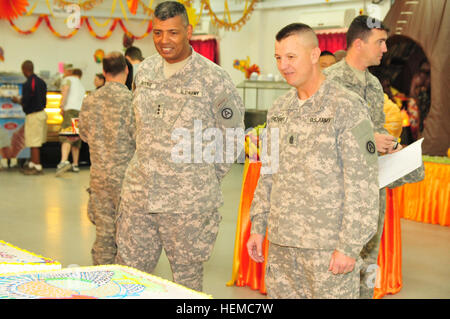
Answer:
(366, 43)
(326, 59)
(107, 124)
(166, 203)
(321, 206)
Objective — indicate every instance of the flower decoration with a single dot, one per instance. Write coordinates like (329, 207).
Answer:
(2, 58)
(12, 9)
(244, 66)
(99, 55)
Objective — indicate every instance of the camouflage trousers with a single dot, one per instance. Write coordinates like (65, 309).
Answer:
(369, 254)
(187, 239)
(102, 213)
(297, 273)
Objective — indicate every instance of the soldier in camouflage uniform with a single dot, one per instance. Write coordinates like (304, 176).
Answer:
(366, 42)
(107, 124)
(321, 205)
(166, 202)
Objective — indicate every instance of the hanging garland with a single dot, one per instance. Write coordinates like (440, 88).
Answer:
(108, 33)
(44, 17)
(68, 36)
(85, 5)
(230, 25)
(205, 5)
(137, 37)
(33, 28)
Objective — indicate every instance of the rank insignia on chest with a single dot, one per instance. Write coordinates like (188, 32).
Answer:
(147, 84)
(322, 120)
(189, 92)
(278, 119)
(159, 111)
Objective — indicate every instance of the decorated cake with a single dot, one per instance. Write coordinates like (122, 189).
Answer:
(15, 260)
(97, 282)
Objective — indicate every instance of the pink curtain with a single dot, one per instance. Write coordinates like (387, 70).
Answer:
(207, 48)
(332, 41)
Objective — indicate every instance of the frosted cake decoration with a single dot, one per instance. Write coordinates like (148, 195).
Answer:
(96, 282)
(14, 259)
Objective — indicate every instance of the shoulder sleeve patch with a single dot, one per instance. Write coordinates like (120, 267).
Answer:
(226, 112)
(363, 133)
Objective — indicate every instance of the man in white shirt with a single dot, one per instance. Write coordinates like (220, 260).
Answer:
(73, 92)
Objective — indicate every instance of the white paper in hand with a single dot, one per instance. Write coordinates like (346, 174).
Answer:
(394, 166)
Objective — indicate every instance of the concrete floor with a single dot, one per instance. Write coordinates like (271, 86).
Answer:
(47, 215)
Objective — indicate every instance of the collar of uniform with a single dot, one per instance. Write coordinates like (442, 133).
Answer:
(313, 103)
(113, 83)
(371, 80)
(350, 75)
(160, 67)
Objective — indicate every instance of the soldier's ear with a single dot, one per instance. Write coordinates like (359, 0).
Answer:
(315, 55)
(357, 43)
(190, 30)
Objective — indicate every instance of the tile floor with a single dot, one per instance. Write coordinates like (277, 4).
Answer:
(47, 215)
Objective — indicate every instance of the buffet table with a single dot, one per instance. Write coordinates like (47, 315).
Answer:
(429, 200)
(426, 201)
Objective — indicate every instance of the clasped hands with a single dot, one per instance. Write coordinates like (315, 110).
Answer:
(339, 263)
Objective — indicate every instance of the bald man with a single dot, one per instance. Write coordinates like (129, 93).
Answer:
(321, 205)
(34, 100)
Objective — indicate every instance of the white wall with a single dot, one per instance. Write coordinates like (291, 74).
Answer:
(46, 50)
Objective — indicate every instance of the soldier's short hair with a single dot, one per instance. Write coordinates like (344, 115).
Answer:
(170, 9)
(293, 28)
(361, 27)
(114, 63)
(134, 53)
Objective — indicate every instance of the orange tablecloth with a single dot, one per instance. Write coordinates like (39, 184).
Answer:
(248, 273)
(429, 200)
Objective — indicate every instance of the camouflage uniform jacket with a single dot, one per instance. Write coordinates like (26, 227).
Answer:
(107, 124)
(372, 93)
(173, 112)
(325, 192)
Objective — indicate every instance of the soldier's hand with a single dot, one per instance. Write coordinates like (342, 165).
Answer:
(254, 247)
(384, 143)
(393, 150)
(340, 263)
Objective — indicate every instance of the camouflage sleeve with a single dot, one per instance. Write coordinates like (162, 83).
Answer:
(357, 151)
(413, 177)
(229, 111)
(85, 115)
(261, 200)
(130, 120)
(377, 112)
